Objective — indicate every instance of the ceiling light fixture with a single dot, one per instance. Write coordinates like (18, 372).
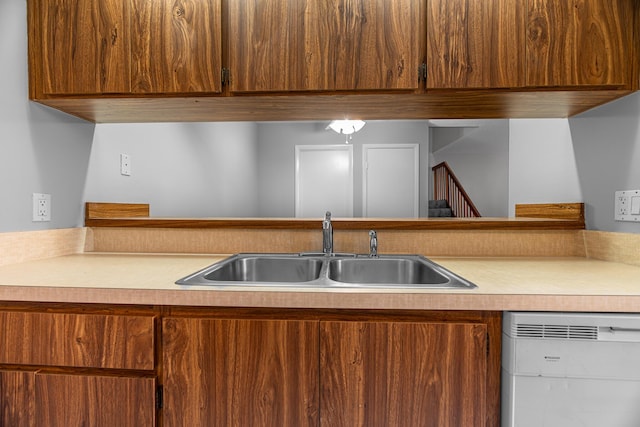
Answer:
(346, 127)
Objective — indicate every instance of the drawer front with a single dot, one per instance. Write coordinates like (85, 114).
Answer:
(77, 340)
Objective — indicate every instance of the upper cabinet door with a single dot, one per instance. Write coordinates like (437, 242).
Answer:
(85, 46)
(477, 44)
(177, 46)
(329, 45)
(580, 42)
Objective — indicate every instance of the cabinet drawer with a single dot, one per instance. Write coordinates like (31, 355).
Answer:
(93, 400)
(77, 340)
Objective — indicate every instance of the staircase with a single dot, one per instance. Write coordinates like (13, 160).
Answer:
(447, 189)
(439, 209)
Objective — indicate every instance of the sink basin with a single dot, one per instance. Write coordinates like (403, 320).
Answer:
(258, 268)
(411, 271)
(325, 271)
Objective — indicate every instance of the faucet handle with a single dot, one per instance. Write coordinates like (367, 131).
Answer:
(373, 243)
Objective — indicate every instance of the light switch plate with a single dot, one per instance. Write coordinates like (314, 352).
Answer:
(125, 164)
(627, 205)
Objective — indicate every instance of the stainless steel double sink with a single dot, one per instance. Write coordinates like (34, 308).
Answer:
(327, 271)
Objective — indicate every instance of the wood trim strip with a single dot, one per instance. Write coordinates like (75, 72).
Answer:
(449, 103)
(343, 224)
(568, 211)
(116, 210)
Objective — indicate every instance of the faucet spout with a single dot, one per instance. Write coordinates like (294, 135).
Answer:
(327, 234)
(373, 244)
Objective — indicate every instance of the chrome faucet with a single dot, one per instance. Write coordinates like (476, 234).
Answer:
(373, 244)
(327, 234)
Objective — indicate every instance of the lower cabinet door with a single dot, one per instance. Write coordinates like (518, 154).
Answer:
(99, 401)
(234, 372)
(403, 374)
(17, 399)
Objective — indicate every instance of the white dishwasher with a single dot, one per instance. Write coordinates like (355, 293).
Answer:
(570, 370)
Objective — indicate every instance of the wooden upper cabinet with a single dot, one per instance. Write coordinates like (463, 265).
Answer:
(477, 44)
(177, 46)
(329, 45)
(580, 42)
(85, 46)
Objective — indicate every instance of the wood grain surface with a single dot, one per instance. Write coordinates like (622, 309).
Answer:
(467, 104)
(91, 400)
(176, 46)
(85, 46)
(403, 374)
(92, 341)
(240, 372)
(116, 210)
(587, 42)
(475, 44)
(17, 391)
(568, 211)
(281, 45)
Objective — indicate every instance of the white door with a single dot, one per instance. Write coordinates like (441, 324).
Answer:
(324, 181)
(391, 179)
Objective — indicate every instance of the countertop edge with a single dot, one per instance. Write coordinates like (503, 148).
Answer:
(325, 300)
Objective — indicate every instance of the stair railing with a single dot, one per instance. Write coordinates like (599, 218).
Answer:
(447, 187)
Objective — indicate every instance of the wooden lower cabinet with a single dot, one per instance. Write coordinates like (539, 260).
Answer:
(17, 398)
(77, 367)
(332, 370)
(403, 374)
(32, 399)
(228, 372)
(103, 366)
(64, 400)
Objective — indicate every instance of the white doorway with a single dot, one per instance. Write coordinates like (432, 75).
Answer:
(323, 180)
(391, 180)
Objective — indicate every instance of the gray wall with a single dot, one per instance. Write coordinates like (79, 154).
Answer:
(606, 142)
(180, 169)
(479, 157)
(41, 150)
(233, 169)
(542, 165)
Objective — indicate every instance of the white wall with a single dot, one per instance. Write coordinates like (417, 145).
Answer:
(606, 141)
(180, 169)
(276, 147)
(41, 150)
(479, 157)
(542, 165)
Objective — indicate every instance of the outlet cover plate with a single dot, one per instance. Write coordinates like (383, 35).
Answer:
(627, 206)
(41, 207)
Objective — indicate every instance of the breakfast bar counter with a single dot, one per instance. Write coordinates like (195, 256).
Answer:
(504, 283)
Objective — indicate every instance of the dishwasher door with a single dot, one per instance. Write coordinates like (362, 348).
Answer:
(570, 370)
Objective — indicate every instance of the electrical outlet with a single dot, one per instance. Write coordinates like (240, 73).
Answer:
(125, 165)
(627, 205)
(41, 207)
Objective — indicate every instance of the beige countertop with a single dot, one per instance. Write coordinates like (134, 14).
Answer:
(549, 284)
